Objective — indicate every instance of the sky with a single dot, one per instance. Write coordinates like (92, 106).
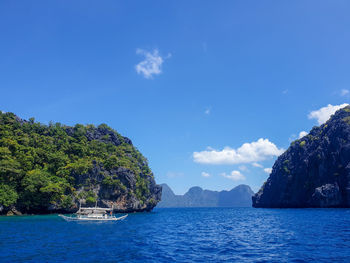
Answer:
(211, 92)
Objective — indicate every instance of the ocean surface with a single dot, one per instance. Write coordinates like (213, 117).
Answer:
(183, 235)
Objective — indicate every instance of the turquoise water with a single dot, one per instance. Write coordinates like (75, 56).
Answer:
(183, 235)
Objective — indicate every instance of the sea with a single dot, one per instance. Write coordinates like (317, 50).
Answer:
(182, 235)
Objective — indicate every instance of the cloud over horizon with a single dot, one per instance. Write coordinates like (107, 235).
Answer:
(323, 114)
(204, 174)
(259, 150)
(151, 65)
(302, 134)
(268, 170)
(235, 176)
(257, 165)
(344, 92)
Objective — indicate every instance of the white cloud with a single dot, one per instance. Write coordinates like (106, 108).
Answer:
(302, 134)
(247, 153)
(268, 170)
(257, 165)
(344, 92)
(235, 176)
(285, 91)
(151, 65)
(207, 111)
(204, 174)
(243, 168)
(322, 115)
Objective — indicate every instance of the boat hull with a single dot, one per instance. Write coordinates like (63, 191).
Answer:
(70, 218)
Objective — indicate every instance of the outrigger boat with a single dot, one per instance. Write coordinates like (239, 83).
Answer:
(93, 214)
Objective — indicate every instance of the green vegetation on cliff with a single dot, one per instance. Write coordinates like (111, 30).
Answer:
(39, 163)
(314, 171)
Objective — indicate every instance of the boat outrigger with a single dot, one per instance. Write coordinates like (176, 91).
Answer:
(93, 214)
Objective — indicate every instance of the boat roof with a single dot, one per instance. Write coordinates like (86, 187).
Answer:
(96, 208)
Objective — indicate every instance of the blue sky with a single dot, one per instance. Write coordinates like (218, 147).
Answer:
(189, 82)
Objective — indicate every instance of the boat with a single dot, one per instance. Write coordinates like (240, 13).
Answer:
(93, 214)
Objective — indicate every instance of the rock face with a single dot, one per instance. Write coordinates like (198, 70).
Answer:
(120, 197)
(314, 171)
(55, 168)
(239, 196)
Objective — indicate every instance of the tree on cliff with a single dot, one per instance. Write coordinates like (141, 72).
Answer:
(53, 166)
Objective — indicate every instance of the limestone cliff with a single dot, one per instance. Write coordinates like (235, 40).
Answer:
(53, 168)
(314, 171)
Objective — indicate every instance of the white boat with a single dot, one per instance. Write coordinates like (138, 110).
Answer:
(93, 214)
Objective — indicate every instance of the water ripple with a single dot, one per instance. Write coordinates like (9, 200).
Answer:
(183, 235)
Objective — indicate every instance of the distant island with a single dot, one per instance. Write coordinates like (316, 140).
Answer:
(55, 168)
(240, 196)
(314, 171)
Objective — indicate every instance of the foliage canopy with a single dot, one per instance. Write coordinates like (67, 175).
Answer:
(37, 161)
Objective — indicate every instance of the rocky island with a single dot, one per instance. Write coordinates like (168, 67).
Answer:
(53, 168)
(240, 196)
(314, 171)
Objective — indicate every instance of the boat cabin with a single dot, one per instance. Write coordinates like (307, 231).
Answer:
(94, 212)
